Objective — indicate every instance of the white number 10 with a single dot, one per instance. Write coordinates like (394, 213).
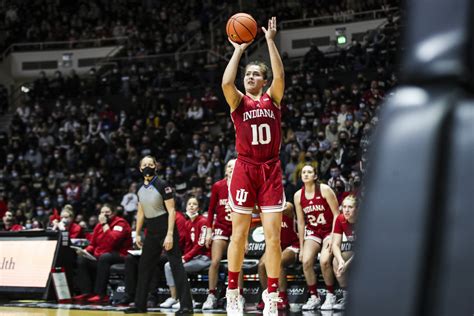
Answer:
(261, 134)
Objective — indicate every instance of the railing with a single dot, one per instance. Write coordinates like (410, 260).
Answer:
(359, 16)
(336, 19)
(168, 59)
(98, 42)
(222, 16)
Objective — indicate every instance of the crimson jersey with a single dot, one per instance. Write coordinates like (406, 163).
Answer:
(196, 231)
(257, 126)
(288, 236)
(346, 229)
(317, 213)
(217, 207)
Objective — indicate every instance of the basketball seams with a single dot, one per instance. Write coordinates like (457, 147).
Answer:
(245, 26)
(235, 31)
(252, 20)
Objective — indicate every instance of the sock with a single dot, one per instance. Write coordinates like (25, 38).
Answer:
(241, 291)
(313, 290)
(233, 280)
(272, 285)
(330, 288)
(213, 291)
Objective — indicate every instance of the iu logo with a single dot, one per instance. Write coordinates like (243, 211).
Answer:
(241, 196)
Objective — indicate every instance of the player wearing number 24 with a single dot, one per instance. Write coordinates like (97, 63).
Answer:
(316, 210)
(257, 176)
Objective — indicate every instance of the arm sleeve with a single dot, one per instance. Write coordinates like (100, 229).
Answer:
(165, 189)
(75, 231)
(92, 245)
(212, 206)
(199, 242)
(116, 234)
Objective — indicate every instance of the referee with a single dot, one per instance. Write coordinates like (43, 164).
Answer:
(157, 209)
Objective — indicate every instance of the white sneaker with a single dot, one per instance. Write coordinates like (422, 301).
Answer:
(329, 302)
(312, 303)
(271, 303)
(340, 304)
(234, 303)
(242, 301)
(178, 306)
(168, 303)
(210, 303)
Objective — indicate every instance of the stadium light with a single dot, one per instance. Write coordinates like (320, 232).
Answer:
(341, 38)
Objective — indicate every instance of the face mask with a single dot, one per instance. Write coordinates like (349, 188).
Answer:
(339, 189)
(189, 156)
(148, 172)
(321, 137)
(173, 157)
(40, 212)
(60, 200)
(195, 142)
(28, 226)
(334, 174)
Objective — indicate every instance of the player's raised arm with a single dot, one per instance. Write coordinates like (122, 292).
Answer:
(231, 94)
(277, 87)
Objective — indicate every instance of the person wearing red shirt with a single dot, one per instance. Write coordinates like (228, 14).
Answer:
(9, 224)
(257, 176)
(66, 222)
(181, 224)
(290, 247)
(316, 209)
(197, 257)
(110, 241)
(342, 244)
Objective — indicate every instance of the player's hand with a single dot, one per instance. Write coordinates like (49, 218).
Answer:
(138, 241)
(102, 219)
(238, 46)
(341, 268)
(208, 242)
(300, 256)
(168, 243)
(270, 33)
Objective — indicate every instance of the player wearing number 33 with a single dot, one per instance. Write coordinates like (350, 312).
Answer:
(316, 210)
(257, 175)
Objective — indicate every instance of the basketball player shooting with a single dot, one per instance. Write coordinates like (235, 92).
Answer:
(257, 176)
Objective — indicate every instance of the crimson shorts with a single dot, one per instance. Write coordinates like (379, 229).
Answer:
(256, 184)
(318, 235)
(221, 232)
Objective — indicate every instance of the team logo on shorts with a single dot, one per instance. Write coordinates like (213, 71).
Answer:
(241, 196)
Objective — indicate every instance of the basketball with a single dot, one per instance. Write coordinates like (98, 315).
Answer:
(241, 28)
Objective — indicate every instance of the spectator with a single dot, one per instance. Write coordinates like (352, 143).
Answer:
(130, 203)
(66, 223)
(198, 257)
(109, 244)
(9, 223)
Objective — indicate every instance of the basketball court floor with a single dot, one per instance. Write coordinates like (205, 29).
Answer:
(66, 310)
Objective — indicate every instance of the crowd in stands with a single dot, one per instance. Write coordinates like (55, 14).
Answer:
(152, 27)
